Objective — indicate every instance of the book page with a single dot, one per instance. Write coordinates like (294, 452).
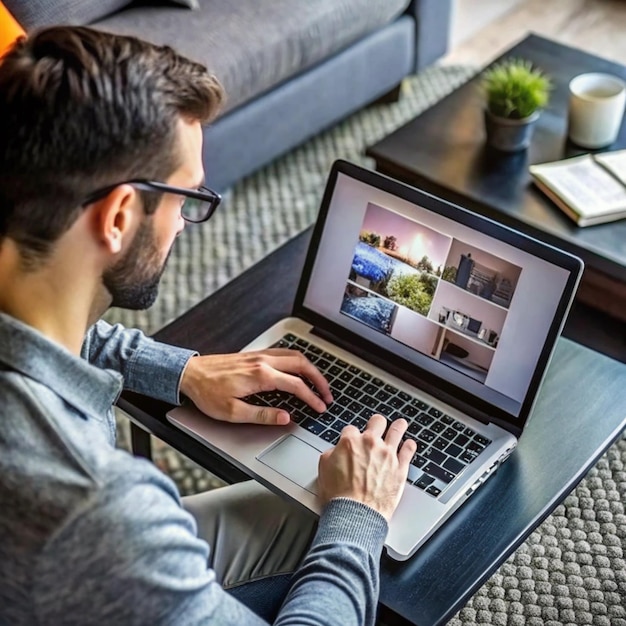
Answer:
(615, 162)
(588, 188)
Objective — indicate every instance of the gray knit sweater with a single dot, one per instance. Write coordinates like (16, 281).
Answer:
(91, 535)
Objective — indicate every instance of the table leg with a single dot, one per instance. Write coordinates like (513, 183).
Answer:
(140, 441)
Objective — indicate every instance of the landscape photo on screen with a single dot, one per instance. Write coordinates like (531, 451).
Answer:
(444, 297)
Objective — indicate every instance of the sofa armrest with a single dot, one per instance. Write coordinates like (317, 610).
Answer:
(432, 29)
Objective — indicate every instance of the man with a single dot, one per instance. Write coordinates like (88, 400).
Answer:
(100, 166)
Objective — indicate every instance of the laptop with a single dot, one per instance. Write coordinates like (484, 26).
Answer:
(412, 307)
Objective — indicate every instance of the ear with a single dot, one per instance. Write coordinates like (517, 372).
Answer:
(116, 217)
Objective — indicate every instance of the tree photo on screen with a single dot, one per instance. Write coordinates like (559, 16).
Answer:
(397, 261)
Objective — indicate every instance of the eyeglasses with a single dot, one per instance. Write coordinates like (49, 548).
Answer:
(198, 205)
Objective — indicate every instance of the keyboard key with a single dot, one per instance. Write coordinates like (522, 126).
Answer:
(418, 461)
(343, 400)
(404, 396)
(433, 491)
(437, 427)
(345, 376)
(360, 423)
(440, 443)
(476, 447)
(323, 364)
(439, 473)
(336, 410)
(370, 389)
(339, 425)
(326, 418)
(461, 441)
(353, 392)
(427, 435)
(342, 363)
(449, 433)
(469, 432)
(381, 394)
(313, 426)
(454, 450)
(458, 426)
(424, 419)
(420, 404)
(297, 416)
(390, 389)
(357, 382)
(454, 466)
(410, 411)
(338, 385)
(281, 343)
(366, 413)
(315, 349)
(435, 412)
(395, 402)
(328, 356)
(435, 456)
(468, 457)
(302, 343)
(354, 407)
(365, 376)
(414, 428)
(290, 337)
(370, 402)
(354, 370)
(483, 441)
(334, 370)
(378, 382)
(446, 419)
(424, 481)
(330, 435)
(383, 408)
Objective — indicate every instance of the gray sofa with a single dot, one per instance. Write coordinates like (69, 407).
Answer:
(290, 67)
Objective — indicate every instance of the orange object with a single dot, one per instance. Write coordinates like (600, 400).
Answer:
(10, 30)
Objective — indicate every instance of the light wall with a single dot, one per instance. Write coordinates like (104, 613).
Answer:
(469, 16)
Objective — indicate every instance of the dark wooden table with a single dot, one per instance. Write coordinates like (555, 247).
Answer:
(580, 413)
(443, 151)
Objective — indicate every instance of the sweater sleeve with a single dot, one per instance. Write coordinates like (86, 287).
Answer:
(131, 555)
(147, 366)
(338, 581)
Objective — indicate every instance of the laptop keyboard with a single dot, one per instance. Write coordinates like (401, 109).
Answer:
(445, 446)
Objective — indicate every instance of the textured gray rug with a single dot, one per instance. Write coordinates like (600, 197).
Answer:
(572, 570)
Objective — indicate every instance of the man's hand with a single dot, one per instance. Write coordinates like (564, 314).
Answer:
(216, 384)
(366, 468)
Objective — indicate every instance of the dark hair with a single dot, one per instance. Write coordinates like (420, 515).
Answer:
(81, 109)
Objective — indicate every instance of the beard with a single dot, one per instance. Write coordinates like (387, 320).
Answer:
(133, 282)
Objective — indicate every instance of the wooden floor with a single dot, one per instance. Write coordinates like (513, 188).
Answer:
(596, 26)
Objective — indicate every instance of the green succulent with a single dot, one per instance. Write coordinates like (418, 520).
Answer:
(515, 89)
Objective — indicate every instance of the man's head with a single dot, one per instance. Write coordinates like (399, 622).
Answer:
(82, 110)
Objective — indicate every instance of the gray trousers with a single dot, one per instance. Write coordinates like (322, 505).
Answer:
(254, 536)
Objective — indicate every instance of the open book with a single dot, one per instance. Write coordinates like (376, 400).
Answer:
(590, 189)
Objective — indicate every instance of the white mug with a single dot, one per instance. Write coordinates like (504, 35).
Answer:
(596, 109)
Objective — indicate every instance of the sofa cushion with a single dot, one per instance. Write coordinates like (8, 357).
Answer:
(252, 46)
(33, 13)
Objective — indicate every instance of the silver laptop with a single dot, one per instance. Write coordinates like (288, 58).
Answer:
(412, 307)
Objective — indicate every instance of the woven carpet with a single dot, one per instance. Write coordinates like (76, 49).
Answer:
(572, 570)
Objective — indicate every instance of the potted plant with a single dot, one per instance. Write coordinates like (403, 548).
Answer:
(515, 93)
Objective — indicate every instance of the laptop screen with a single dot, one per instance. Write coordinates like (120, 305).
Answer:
(459, 297)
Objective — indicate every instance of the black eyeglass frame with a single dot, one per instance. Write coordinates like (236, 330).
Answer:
(202, 193)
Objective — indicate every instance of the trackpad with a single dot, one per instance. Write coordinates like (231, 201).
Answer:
(294, 459)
